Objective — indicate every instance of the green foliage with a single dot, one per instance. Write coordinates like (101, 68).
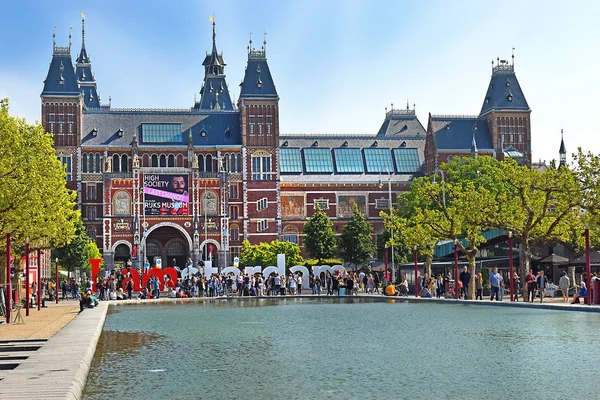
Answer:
(91, 251)
(35, 205)
(356, 244)
(74, 256)
(319, 237)
(265, 254)
(331, 261)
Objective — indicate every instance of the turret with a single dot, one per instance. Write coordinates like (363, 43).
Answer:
(85, 78)
(562, 151)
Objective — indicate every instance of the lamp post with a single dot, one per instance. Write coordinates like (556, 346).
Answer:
(416, 255)
(385, 256)
(8, 279)
(456, 269)
(27, 283)
(510, 265)
(56, 281)
(588, 271)
(390, 207)
(39, 280)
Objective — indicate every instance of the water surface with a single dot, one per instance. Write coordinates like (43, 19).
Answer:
(343, 349)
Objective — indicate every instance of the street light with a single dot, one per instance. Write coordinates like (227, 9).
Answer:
(416, 254)
(27, 277)
(56, 281)
(390, 207)
(456, 269)
(587, 263)
(510, 264)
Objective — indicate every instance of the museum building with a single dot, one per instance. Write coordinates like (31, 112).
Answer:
(168, 184)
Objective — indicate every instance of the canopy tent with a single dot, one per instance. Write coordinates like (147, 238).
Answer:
(594, 259)
(553, 259)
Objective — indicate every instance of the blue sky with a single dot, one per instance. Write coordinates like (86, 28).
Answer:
(336, 64)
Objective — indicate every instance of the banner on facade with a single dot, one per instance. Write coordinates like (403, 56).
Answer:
(166, 194)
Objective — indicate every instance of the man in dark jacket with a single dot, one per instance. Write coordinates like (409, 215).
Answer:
(465, 278)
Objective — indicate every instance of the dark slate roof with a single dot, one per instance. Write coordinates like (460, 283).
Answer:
(563, 149)
(401, 124)
(61, 70)
(456, 133)
(108, 123)
(503, 87)
(214, 87)
(90, 96)
(258, 81)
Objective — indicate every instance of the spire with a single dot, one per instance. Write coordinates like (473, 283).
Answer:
(83, 71)
(562, 151)
(82, 30)
(474, 144)
(214, 48)
(214, 94)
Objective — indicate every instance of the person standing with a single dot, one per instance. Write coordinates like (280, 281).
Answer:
(516, 285)
(531, 284)
(564, 283)
(465, 278)
(494, 284)
(479, 286)
(541, 281)
(129, 287)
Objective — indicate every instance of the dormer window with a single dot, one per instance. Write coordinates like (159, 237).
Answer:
(509, 97)
(94, 132)
(487, 100)
(258, 69)
(507, 83)
(203, 133)
(228, 132)
(62, 67)
(345, 144)
(259, 83)
(285, 144)
(375, 144)
(316, 143)
(120, 132)
(61, 80)
(403, 144)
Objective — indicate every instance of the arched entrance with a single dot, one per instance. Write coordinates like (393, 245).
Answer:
(122, 254)
(169, 243)
(209, 250)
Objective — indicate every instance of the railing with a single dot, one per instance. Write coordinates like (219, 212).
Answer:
(62, 50)
(253, 54)
(503, 69)
(458, 116)
(400, 112)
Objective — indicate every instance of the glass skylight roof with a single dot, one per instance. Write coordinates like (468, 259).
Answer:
(407, 160)
(291, 161)
(348, 160)
(378, 160)
(318, 160)
(161, 133)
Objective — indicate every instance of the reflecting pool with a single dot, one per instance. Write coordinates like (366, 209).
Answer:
(343, 349)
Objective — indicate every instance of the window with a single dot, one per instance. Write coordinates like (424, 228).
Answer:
(318, 160)
(269, 122)
(262, 225)
(291, 160)
(154, 160)
(51, 118)
(98, 169)
(321, 204)
(290, 234)
(161, 133)
(233, 191)
(234, 212)
(234, 233)
(407, 160)
(66, 162)
(209, 166)
(124, 163)
(378, 160)
(262, 204)
(163, 160)
(171, 161)
(261, 168)
(251, 124)
(382, 204)
(201, 163)
(91, 232)
(348, 160)
(91, 163)
(91, 213)
(116, 163)
(234, 252)
(260, 125)
(84, 164)
(91, 191)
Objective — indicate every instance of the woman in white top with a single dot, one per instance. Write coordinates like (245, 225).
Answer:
(293, 285)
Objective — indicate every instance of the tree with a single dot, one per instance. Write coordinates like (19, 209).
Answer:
(356, 244)
(319, 237)
(265, 254)
(74, 255)
(35, 204)
(91, 251)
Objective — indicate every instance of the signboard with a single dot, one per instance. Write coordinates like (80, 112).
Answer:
(210, 225)
(236, 262)
(166, 194)
(122, 225)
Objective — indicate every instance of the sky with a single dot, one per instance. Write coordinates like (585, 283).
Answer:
(337, 65)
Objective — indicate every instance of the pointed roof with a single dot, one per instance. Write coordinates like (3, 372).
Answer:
(401, 124)
(83, 71)
(214, 94)
(504, 92)
(61, 80)
(458, 132)
(258, 81)
(563, 149)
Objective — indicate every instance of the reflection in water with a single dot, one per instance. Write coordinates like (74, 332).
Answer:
(340, 349)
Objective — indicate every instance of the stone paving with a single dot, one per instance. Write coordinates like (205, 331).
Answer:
(42, 324)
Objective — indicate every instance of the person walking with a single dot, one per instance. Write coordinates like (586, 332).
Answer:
(479, 286)
(531, 284)
(495, 284)
(516, 285)
(542, 282)
(564, 283)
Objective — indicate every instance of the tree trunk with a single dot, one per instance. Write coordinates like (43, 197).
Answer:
(524, 263)
(472, 265)
(427, 270)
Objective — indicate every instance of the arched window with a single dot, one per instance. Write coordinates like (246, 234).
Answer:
(234, 232)
(154, 160)
(201, 163)
(232, 163)
(239, 162)
(152, 250)
(124, 163)
(179, 160)
(91, 232)
(171, 160)
(98, 169)
(85, 169)
(122, 251)
(116, 163)
(176, 249)
(163, 160)
(145, 160)
(209, 166)
(91, 162)
(290, 234)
